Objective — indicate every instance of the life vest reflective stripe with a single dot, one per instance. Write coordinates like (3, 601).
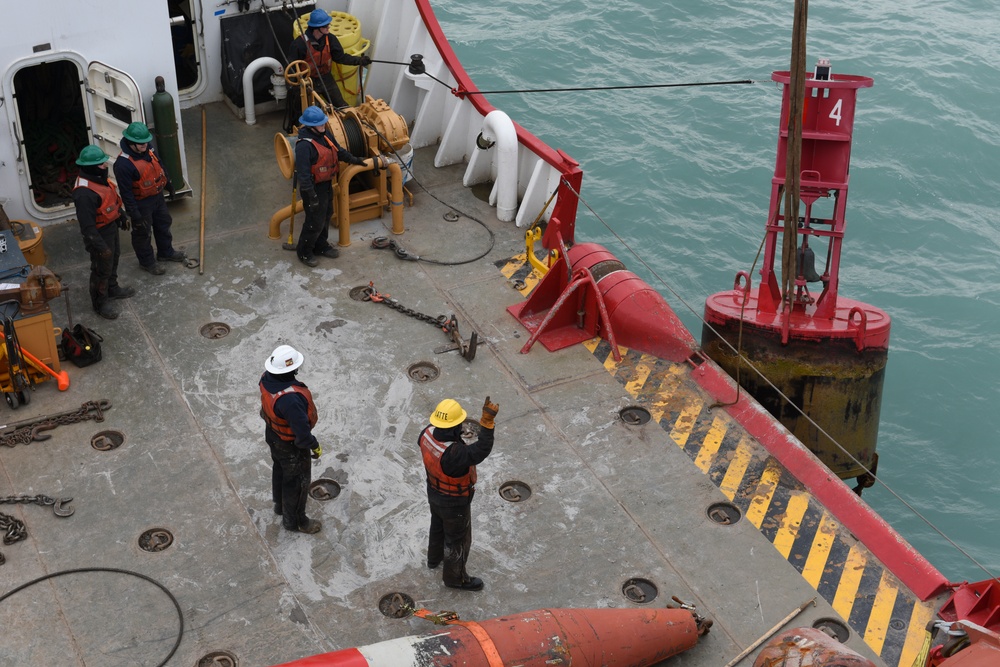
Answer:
(152, 178)
(280, 426)
(431, 450)
(327, 164)
(318, 59)
(110, 208)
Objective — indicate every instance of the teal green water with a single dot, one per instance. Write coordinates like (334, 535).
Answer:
(682, 175)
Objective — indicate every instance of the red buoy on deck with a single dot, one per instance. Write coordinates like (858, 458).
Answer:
(540, 638)
(825, 353)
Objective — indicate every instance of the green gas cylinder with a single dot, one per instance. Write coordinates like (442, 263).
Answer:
(165, 129)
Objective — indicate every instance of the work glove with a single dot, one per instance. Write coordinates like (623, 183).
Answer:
(310, 200)
(317, 452)
(124, 224)
(171, 192)
(357, 160)
(489, 413)
(365, 61)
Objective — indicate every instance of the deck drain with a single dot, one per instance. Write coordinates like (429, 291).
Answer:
(450, 216)
(725, 514)
(156, 539)
(396, 605)
(423, 371)
(515, 492)
(215, 330)
(634, 415)
(834, 628)
(360, 293)
(105, 441)
(640, 591)
(470, 431)
(324, 489)
(218, 659)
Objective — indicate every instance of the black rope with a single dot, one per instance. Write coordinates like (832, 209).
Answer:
(636, 87)
(180, 614)
(419, 69)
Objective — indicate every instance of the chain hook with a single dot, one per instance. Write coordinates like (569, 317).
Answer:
(59, 508)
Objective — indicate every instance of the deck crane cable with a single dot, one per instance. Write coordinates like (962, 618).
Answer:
(778, 391)
(177, 606)
(793, 157)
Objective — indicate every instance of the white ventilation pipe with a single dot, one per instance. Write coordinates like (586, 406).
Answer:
(499, 131)
(279, 88)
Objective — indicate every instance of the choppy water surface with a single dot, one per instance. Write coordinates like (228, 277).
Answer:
(682, 176)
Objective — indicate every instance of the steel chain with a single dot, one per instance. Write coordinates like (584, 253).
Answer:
(44, 501)
(440, 321)
(32, 431)
(12, 528)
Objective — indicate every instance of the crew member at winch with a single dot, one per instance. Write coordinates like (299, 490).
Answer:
(289, 413)
(320, 49)
(143, 180)
(450, 465)
(100, 212)
(317, 165)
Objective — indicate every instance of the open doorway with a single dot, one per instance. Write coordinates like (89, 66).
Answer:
(61, 104)
(185, 38)
(53, 126)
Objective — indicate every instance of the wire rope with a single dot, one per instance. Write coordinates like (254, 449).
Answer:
(177, 606)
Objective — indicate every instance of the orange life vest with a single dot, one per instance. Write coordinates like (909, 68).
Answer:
(327, 164)
(318, 59)
(152, 178)
(431, 449)
(110, 208)
(276, 423)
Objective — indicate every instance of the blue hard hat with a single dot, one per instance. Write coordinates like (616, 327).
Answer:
(319, 18)
(312, 117)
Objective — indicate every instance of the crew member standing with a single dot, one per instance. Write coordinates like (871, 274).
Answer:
(100, 212)
(320, 49)
(289, 416)
(317, 165)
(143, 180)
(451, 483)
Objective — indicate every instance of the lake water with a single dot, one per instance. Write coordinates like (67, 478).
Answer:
(682, 176)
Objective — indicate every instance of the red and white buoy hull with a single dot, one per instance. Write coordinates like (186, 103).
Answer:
(540, 638)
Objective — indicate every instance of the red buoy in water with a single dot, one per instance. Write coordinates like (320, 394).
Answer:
(573, 637)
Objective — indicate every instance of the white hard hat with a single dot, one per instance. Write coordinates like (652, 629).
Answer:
(284, 359)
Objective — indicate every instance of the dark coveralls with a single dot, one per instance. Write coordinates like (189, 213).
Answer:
(309, 52)
(314, 238)
(450, 538)
(150, 217)
(290, 474)
(101, 242)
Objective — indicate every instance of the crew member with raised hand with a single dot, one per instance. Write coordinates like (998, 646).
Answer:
(450, 465)
(320, 49)
(143, 180)
(100, 212)
(317, 165)
(289, 413)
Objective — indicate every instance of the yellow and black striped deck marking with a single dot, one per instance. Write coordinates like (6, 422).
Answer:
(872, 600)
(517, 268)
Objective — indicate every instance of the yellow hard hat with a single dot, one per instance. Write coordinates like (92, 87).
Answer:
(448, 413)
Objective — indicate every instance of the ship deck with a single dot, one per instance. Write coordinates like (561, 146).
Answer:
(610, 502)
